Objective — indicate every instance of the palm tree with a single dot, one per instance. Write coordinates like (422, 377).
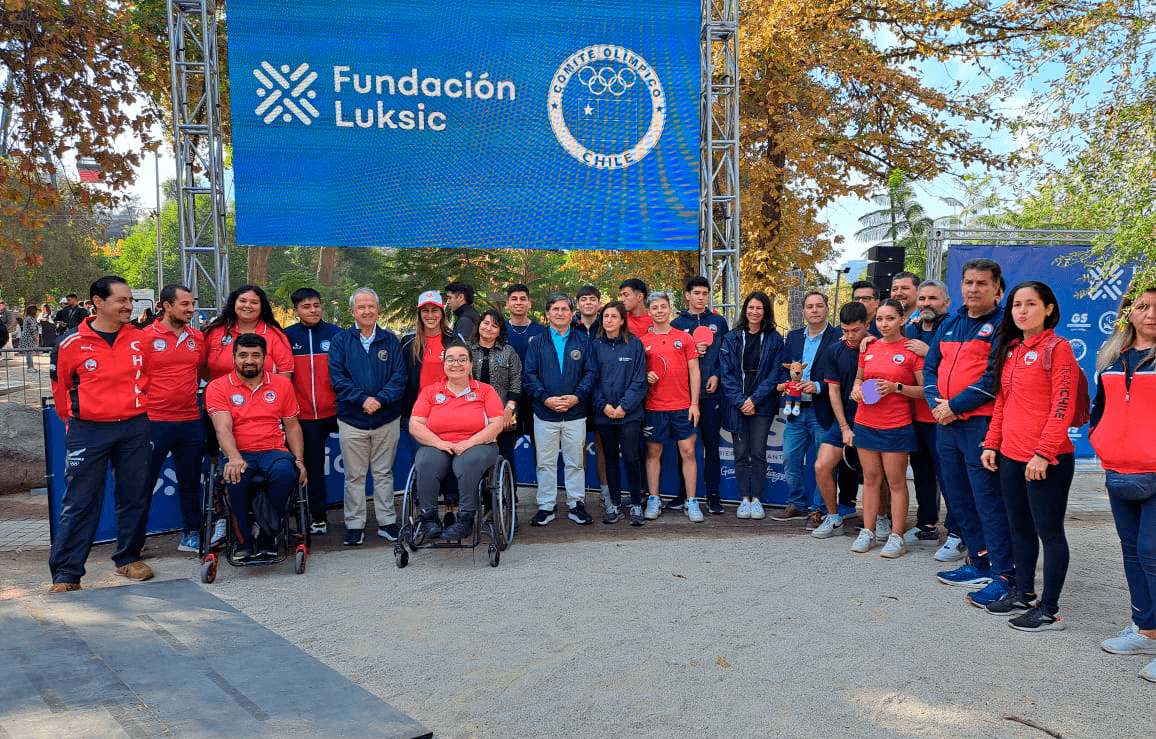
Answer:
(899, 221)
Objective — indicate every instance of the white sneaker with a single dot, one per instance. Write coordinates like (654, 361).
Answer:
(756, 510)
(693, 512)
(894, 547)
(882, 527)
(744, 510)
(1148, 672)
(826, 529)
(1129, 641)
(863, 542)
(218, 532)
(951, 550)
(653, 507)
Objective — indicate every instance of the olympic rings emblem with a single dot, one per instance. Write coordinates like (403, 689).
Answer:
(607, 80)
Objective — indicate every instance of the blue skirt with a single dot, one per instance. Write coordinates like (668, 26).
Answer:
(901, 439)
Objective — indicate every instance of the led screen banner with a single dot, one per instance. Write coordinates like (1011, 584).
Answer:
(466, 123)
(1089, 298)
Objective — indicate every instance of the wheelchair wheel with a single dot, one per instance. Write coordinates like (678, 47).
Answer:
(502, 489)
(408, 516)
(208, 507)
(299, 560)
(495, 555)
(209, 568)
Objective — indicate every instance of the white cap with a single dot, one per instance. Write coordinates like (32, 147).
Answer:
(430, 297)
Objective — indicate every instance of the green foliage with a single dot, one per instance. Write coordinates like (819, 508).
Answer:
(900, 221)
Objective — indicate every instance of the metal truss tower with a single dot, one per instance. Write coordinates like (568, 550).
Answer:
(718, 221)
(200, 152)
(942, 238)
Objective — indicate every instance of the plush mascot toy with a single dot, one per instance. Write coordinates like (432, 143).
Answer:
(794, 403)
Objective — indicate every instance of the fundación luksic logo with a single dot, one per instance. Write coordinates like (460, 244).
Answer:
(286, 93)
(606, 106)
(1106, 283)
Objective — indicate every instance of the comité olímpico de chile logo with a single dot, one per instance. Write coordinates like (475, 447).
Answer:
(285, 93)
(606, 106)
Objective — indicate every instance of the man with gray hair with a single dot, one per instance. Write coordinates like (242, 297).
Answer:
(558, 376)
(369, 380)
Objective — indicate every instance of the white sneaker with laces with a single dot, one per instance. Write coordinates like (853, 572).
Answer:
(653, 507)
(744, 510)
(693, 512)
(882, 527)
(1129, 641)
(894, 547)
(951, 550)
(863, 542)
(756, 509)
(826, 529)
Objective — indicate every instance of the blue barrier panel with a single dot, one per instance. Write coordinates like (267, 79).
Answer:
(466, 123)
(1085, 321)
(165, 513)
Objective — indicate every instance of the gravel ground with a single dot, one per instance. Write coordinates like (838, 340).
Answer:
(670, 631)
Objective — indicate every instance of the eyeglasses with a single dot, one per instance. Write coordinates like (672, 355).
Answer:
(457, 360)
(864, 298)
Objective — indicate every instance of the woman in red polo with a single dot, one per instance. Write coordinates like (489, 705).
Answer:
(247, 311)
(457, 421)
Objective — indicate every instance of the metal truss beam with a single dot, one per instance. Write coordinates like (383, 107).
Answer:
(942, 238)
(200, 152)
(718, 222)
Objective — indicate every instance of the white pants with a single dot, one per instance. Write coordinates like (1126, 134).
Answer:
(570, 438)
(368, 450)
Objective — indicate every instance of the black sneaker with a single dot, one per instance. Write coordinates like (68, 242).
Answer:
(675, 504)
(1013, 602)
(242, 555)
(714, 505)
(579, 515)
(612, 515)
(636, 517)
(448, 519)
(388, 532)
(430, 527)
(266, 547)
(541, 518)
(1036, 620)
(355, 538)
(462, 528)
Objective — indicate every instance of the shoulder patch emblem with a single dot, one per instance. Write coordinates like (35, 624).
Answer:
(576, 355)
(237, 399)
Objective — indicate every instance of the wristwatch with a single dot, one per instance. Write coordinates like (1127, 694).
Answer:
(899, 387)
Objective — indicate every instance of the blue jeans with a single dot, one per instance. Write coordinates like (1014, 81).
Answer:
(751, 455)
(972, 494)
(185, 440)
(800, 447)
(92, 446)
(1136, 526)
(281, 471)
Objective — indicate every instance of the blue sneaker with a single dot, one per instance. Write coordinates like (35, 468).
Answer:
(967, 576)
(190, 542)
(845, 510)
(997, 589)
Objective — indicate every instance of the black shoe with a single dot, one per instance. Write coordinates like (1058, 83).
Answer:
(388, 532)
(636, 517)
(1036, 620)
(462, 528)
(579, 515)
(714, 505)
(675, 504)
(541, 518)
(449, 519)
(612, 515)
(355, 538)
(431, 527)
(1013, 602)
(266, 546)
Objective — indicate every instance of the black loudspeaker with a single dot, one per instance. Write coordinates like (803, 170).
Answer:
(881, 273)
(887, 254)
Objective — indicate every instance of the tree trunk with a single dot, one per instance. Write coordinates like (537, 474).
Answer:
(326, 263)
(258, 267)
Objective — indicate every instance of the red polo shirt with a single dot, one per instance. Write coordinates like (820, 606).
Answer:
(639, 325)
(256, 412)
(220, 341)
(433, 368)
(174, 362)
(668, 355)
(456, 418)
(890, 361)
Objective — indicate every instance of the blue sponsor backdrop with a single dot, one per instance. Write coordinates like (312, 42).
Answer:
(165, 514)
(468, 123)
(1085, 321)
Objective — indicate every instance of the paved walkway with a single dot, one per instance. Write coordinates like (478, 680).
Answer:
(24, 516)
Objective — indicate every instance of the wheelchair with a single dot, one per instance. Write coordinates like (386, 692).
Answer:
(292, 538)
(497, 517)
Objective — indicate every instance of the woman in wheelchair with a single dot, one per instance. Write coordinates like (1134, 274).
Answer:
(456, 420)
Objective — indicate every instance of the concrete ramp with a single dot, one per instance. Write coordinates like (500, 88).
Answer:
(167, 659)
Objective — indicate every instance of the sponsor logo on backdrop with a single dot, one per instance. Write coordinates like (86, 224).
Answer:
(607, 106)
(1079, 349)
(1107, 321)
(285, 93)
(1106, 283)
(1079, 322)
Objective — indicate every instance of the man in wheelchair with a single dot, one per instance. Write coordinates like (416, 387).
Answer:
(456, 420)
(255, 414)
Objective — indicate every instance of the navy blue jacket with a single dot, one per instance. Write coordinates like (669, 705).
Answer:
(793, 352)
(358, 375)
(765, 396)
(542, 377)
(708, 364)
(620, 378)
